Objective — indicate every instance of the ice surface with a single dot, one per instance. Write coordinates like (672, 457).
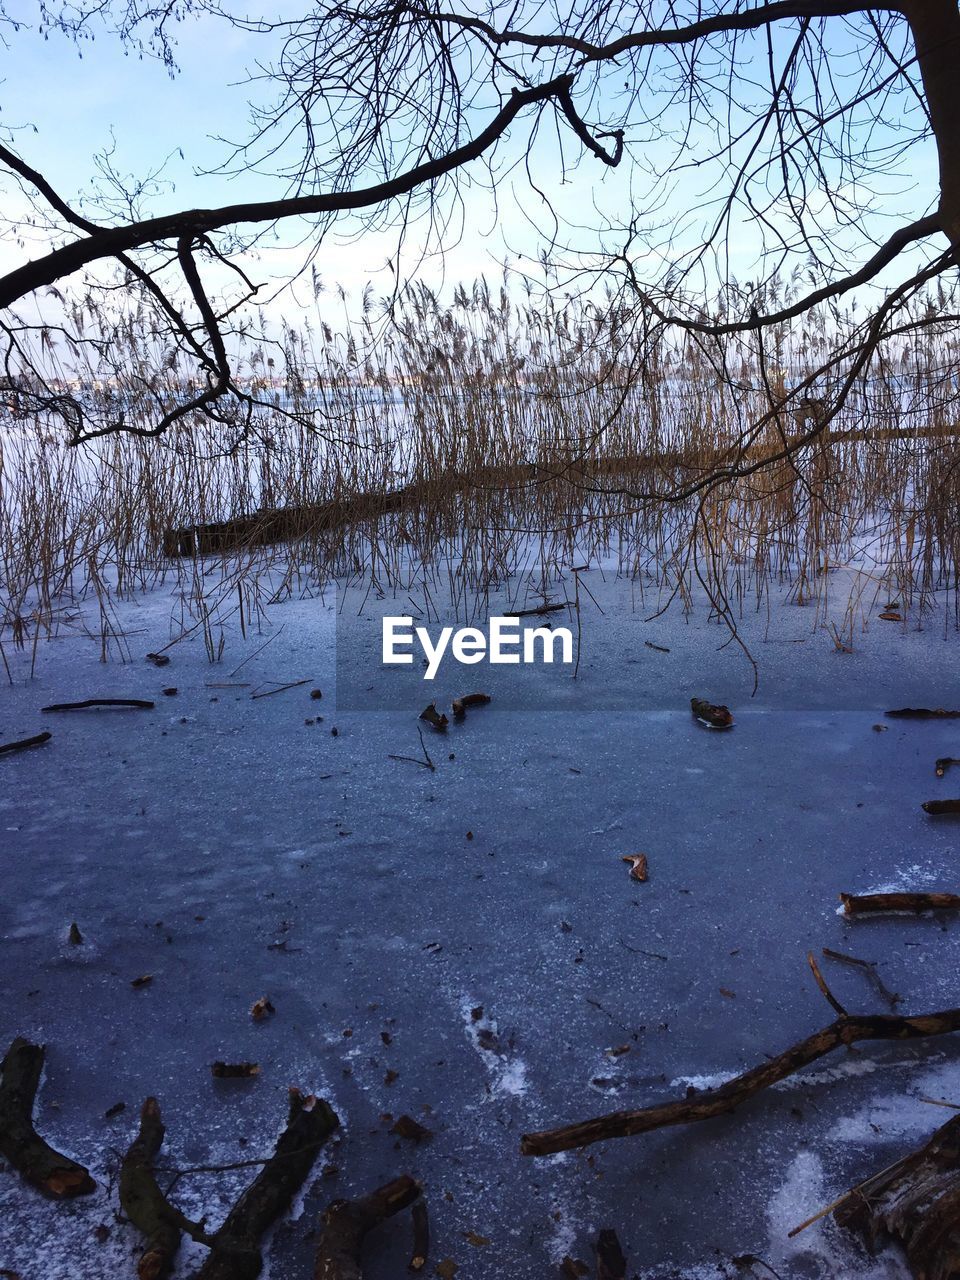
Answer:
(231, 850)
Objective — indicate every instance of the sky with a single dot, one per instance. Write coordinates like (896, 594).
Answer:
(66, 103)
(63, 103)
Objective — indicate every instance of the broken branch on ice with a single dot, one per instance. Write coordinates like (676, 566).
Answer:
(922, 713)
(935, 807)
(34, 1159)
(460, 705)
(346, 1223)
(872, 903)
(235, 1250)
(821, 982)
(25, 743)
(141, 704)
(146, 1206)
(715, 1102)
(539, 610)
(916, 1202)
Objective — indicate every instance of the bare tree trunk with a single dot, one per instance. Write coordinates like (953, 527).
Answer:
(936, 33)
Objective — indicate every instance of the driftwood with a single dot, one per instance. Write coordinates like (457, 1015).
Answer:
(140, 703)
(872, 903)
(611, 1264)
(941, 806)
(235, 1249)
(915, 1202)
(716, 1102)
(347, 1222)
(144, 1203)
(25, 743)
(34, 1159)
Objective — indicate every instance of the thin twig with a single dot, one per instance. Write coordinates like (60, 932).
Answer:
(426, 763)
(294, 684)
(251, 656)
(822, 984)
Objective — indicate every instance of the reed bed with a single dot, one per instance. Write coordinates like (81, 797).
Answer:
(516, 438)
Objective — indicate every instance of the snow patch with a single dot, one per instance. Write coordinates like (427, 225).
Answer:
(507, 1072)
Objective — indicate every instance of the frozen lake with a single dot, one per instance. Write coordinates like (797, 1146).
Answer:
(188, 841)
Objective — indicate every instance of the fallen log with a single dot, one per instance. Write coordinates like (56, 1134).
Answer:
(346, 1223)
(915, 1202)
(33, 1158)
(145, 1205)
(235, 1249)
(287, 524)
(26, 743)
(871, 903)
(141, 703)
(726, 1097)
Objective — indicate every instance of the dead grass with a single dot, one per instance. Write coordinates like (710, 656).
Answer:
(518, 439)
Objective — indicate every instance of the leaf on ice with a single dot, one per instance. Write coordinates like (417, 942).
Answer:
(261, 1009)
(638, 865)
(714, 716)
(434, 717)
(406, 1127)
